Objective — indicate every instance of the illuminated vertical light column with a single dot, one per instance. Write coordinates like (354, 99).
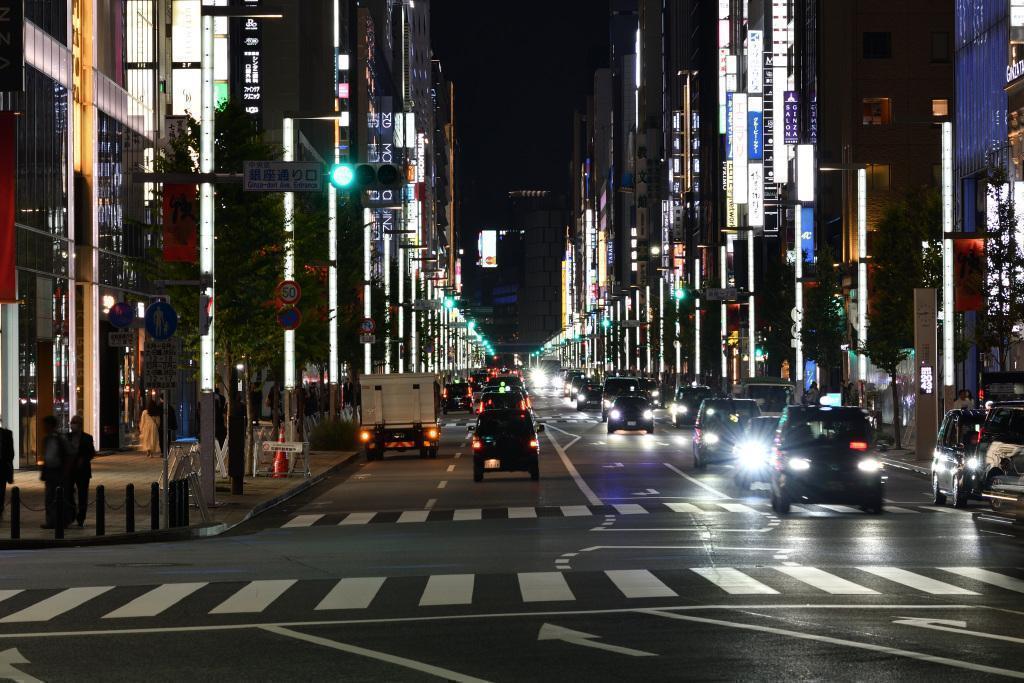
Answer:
(862, 271)
(367, 310)
(724, 323)
(414, 352)
(751, 320)
(387, 295)
(403, 257)
(332, 284)
(206, 224)
(696, 322)
(647, 319)
(288, 135)
(798, 289)
(948, 305)
(661, 324)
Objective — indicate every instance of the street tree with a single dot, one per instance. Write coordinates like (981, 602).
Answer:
(776, 316)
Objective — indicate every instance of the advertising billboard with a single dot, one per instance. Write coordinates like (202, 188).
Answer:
(487, 247)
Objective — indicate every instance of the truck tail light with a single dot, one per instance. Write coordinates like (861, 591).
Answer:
(534, 443)
(477, 445)
(364, 436)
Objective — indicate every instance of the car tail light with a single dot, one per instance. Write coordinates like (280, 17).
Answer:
(981, 395)
(444, 393)
(534, 443)
(364, 436)
(522, 405)
(477, 445)
(858, 446)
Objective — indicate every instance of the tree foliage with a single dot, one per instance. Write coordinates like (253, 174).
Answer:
(776, 315)
(824, 320)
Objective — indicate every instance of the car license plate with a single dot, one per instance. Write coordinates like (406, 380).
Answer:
(631, 423)
(492, 464)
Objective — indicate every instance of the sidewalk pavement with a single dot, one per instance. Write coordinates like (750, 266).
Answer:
(116, 471)
(907, 460)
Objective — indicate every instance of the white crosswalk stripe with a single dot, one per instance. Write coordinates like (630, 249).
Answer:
(576, 511)
(544, 587)
(736, 507)
(630, 509)
(55, 605)
(355, 593)
(467, 515)
(989, 577)
(413, 516)
(733, 581)
(822, 580)
(683, 507)
(357, 518)
(900, 511)
(254, 597)
(639, 583)
(448, 589)
(522, 513)
(917, 581)
(156, 601)
(839, 508)
(302, 520)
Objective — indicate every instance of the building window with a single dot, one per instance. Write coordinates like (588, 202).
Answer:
(940, 107)
(940, 47)
(879, 179)
(877, 111)
(877, 45)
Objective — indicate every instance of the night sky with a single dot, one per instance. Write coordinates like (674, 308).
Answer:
(520, 68)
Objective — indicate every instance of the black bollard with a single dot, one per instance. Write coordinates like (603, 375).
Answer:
(172, 503)
(184, 503)
(129, 509)
(154, 506)
(58, 521)
(15, 512)
(101, 510)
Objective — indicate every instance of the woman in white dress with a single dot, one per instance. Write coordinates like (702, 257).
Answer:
(149, 430)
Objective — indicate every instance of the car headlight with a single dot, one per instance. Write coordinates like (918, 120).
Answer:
(939, 466)
(972, 463)
(711, 438)
(750, 454)
(616, 415)
(581, 397)
(799, 464)
(607, 404)
(648, 414)
(869, 465)
(655, 393)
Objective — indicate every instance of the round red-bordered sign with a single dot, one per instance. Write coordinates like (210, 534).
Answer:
(289, 318)
(367, 326)
(289, 293)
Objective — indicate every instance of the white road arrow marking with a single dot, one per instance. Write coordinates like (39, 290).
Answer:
(614, 465)
(953, 626)
(648, 492)
(552, 632)
(10, 657)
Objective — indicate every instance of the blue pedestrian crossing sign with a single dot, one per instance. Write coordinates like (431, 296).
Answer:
(161, 320)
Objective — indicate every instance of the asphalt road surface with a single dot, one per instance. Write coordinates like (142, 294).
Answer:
(621, 563)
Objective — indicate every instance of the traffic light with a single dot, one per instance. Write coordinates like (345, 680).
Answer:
(365, 176)
(472, 325)
(449, 302)
(680, 294)
(606, 323)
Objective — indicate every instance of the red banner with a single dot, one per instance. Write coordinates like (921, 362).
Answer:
(969, 274)
(181, 223)
(8, 240)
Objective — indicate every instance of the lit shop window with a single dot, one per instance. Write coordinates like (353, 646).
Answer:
(877, 111)
(940, 107)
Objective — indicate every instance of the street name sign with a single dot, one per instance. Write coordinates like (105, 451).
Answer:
(720, 294)
(282, 176)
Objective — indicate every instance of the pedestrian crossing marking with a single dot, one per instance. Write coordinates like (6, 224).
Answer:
(55, 605)
(989, 577)
(302, 520)
(917, 581)
(355, 593)
(156, 601)
(639, 583)
(357, 518)
(448, 589)
(630, 509)
(737, 507)
(839, 508)
(683, 507)
(467, 515)
(733, 581)
(4, 594)
(522, 513)
(575, 511)
(255, 597)
(544, 587)
(822, 580)
(413, 516)
(899, 510)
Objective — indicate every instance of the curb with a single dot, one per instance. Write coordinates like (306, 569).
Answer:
(910, 467)
(208, 530)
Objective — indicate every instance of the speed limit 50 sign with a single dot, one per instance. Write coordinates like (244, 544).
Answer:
(289, 293)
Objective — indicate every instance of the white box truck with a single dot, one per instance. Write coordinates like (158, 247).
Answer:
(399, 413)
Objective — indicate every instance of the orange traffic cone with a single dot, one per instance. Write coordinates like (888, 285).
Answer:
(280, 458)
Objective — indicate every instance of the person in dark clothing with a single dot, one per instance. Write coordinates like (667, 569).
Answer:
(82, 450)
(6, 465)
(55, 472)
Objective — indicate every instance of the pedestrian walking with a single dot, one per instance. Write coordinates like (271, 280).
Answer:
(812, 395)
(83, 450)
(56, 461)
(149, 429)
(963, 401)
(6, 465)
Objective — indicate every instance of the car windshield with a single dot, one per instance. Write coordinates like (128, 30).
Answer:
(621, 385)
(821, 427)
(638, 402)
(507, 400)
(696, 395)
(771, 398)
(502, 423)
(728, 415)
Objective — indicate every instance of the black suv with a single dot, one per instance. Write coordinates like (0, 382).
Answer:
(457, 396)
(955, 467)
(1000, 451)
(615, 387)
(687, 403)
(506, 441)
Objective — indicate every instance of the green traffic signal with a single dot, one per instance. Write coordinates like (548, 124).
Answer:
(606, 323)
(449, 302)
(680, 294)
(342, 175)
(472, 325)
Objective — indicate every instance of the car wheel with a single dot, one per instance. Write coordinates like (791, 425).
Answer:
(938, 497)
(780, 503)
(535, 471)
(651, 430)
(959, 492)
(604, 417)
(433, 453)
(478, 471)
(875, 505)
(610, 430)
